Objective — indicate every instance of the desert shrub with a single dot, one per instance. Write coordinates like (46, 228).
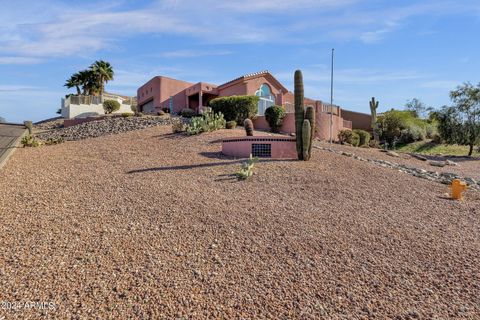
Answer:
(207, 122)
(52, 141)
(111, 106)
(246, 170)
(355, 139)
(133, 108)
(274, 116)
(345, 136)
(160, 113)
(348, 136)
(402, 126)
(231, 125)
(138, 114)
(126, 114)
(29, 141)
(374, 144)
(437, 138)
(236, 108)
(177, 126)
(431, 129)
(188, 113)
(364, 137)
(412, 133)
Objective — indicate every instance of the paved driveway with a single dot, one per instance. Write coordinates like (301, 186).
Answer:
(9, 136)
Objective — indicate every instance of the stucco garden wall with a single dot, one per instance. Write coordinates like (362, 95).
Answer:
(322, 123)
(89, 110)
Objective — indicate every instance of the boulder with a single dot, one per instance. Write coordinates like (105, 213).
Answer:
(451, 163)
(419, 157)
(393, 154)
(440, 164)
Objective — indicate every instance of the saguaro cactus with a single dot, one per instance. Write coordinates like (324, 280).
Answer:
(306, 139)
(373, 110)
(248, 124)
(299, 112)
(310, 116)
(29, 126)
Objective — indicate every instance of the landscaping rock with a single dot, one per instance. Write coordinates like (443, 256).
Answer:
(107, 126)
(440, 164)
(444, 177)
(451, 163)
(393, 154)
(419, 157)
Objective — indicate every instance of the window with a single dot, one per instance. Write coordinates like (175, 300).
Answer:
(262, 150)
(266, 98)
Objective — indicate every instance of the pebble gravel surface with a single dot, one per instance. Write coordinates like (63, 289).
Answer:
(152, 225)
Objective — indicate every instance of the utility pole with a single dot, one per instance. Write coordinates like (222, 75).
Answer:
(331, 101)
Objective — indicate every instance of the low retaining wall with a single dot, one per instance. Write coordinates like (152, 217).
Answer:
(260, 146)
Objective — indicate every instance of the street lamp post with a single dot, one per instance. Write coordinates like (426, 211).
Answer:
(331, 101)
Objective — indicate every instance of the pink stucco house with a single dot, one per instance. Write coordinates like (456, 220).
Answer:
(163, 92)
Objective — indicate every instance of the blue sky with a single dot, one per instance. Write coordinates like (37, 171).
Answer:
(393, 50)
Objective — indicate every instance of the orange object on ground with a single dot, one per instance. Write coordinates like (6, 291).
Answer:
(457, 189)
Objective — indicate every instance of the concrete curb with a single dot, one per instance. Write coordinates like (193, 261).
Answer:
(11, 147)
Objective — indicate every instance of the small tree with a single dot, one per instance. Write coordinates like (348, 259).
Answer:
(111, 106)
(461, 122)
(418, 108)
(274, 116)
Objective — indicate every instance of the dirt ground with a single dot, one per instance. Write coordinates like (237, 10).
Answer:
(148, 224)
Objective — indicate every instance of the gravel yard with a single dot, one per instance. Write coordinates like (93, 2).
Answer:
(468, 167)
(147, 224)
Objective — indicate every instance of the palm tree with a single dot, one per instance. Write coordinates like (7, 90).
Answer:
(103, 72)
(75, 81)
(90, 83)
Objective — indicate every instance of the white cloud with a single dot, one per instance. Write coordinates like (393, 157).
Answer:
(193, 53)
(355, 76)
(441, 84)
(65, 29)
(19, 60)
(282, 5)
(16, 88)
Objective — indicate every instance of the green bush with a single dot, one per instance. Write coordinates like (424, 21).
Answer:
(231, 125)
(188, 113)
(111, 106)
(355, 140)
(52, 141)
(274, 116)
(350, 137)
(236, 108)
(30, 141)
(126, 114)
(364, 137)
(207, 122)
(403, 127)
